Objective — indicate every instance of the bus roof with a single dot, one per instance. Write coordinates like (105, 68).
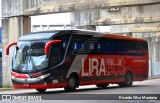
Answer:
(116, 36)
(50, 34)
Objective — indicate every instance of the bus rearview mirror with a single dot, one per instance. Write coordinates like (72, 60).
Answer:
(8, 47)
(49, 44)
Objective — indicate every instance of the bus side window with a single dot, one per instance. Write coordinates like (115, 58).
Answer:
(108, 46)
(121, 47)
(79, 47)
(134, 48)
(63, 46)
(95, 48)
(92, 48)
(76, 46)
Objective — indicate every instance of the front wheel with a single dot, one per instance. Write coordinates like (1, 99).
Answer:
(128, 80)
(41, 90)
(72, 84)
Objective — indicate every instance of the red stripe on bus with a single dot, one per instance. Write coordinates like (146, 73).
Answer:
(17, 75)
(40, 86)
(65, 84)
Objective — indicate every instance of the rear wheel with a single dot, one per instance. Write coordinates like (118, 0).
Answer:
(102, 85)
(128, 80)
(72, 84)
(41, 90)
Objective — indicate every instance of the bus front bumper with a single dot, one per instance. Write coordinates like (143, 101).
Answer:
(40, 86)
(30, 80)
(38, 82)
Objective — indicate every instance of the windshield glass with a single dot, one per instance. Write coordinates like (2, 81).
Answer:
(30, 56)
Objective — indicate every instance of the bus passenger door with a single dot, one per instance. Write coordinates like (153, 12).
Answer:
(55, 56)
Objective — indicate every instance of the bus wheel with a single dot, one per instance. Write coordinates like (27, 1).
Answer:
(102, 85)
(128, 80)
(41, 90)
(121, 84)
(72, 84)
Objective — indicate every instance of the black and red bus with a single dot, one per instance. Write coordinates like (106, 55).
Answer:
(70, 58)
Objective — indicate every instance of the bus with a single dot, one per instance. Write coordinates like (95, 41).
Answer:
(72, 58)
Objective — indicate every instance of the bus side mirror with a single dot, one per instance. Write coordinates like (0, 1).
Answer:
(8, 47)
(49, 44)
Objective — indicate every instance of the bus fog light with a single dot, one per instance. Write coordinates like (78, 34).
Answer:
(41, 77)
(44, 76)
(13, 77)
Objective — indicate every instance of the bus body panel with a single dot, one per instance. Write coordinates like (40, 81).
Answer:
(92, 68)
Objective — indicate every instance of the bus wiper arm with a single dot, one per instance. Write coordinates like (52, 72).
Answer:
(22, 61)
(30, 59)
(30, 55)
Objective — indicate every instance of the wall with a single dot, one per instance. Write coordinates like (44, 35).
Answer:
(142, 21)
(0, 47)
(0, 57)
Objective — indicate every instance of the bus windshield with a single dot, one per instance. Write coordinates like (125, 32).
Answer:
(29, 56)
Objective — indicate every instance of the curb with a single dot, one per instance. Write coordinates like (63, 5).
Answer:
(4, 89)
(156, 77)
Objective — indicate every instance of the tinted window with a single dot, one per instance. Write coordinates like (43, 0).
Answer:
(123, 47)
(58, 50)
(63, 46)
(55, 55)
(79, 44)
(135, 48)
(94, 47)
(108, 46)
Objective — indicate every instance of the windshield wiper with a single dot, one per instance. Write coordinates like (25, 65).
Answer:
(30, 60)
(30, 55)
(22, 62)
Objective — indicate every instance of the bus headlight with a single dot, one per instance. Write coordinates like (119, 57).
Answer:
(44, 76)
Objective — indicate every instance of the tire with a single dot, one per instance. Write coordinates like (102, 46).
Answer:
(41, 90)
(121, 84)
(72, 84)
(102, 85)
(128, 80)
